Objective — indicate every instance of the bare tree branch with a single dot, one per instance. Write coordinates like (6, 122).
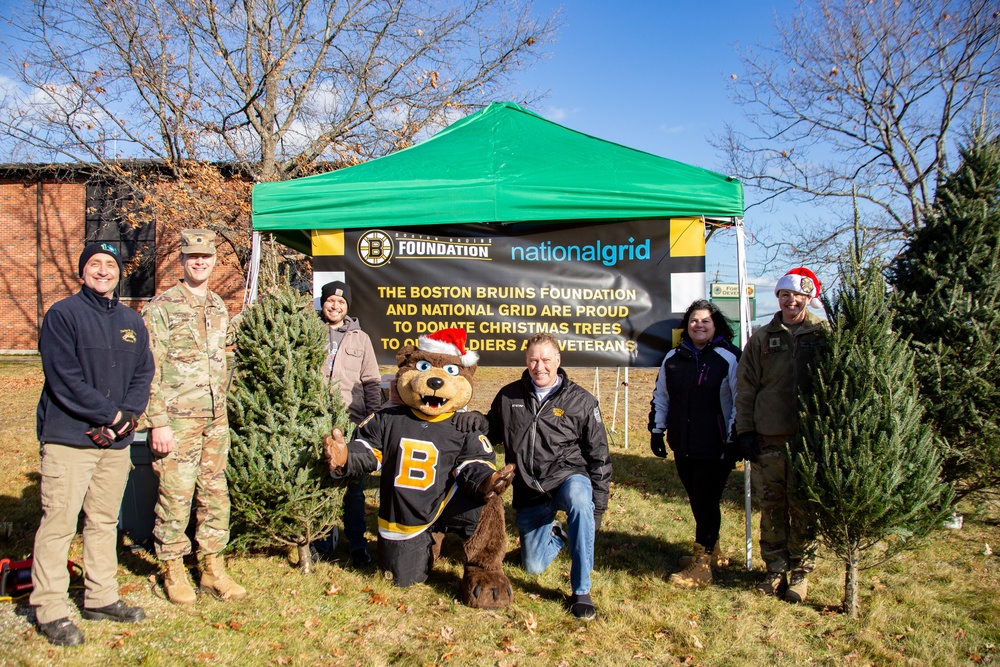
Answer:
(862, 95)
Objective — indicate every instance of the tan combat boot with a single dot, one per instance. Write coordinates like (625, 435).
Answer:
(797, 586)
(215, 581)
(775, 583)
(696, 575)
(718, 559)
(176, 583)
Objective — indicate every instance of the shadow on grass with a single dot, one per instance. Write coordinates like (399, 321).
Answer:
(23, 514)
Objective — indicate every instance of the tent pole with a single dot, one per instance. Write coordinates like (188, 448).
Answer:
(741, 269)
(614, 416)
(626, 407)
(253, 272)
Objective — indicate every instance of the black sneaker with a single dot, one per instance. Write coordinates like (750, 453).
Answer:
(582, 607)
(62, 632)
(360, 558)
(116, 611)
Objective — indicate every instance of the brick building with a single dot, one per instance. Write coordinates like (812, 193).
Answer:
(47, 215)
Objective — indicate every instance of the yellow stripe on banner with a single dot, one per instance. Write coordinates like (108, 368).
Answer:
(687, 237)
(328, 242)
(677, 336)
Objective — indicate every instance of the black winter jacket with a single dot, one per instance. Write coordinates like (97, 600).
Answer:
(694, 401)
(549, 442)
(96, 358)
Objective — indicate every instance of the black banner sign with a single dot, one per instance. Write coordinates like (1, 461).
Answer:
(611, 293)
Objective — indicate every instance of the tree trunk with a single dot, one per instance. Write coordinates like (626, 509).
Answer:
(850, 604)
(305, 559)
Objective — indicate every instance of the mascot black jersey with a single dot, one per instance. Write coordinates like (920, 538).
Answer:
(424, 461)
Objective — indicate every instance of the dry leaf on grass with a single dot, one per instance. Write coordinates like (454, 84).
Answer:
(530, 623)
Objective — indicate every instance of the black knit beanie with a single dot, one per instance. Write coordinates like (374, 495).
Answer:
(337, 287)
(95, 248)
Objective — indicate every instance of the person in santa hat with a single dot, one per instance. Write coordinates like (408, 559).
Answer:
(773, 373)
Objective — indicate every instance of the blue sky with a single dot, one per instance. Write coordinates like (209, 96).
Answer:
(655, 75)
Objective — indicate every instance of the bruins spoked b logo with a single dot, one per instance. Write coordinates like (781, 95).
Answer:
(375, 248)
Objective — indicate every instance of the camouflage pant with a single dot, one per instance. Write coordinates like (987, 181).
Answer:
(787, 539)
(195, 470)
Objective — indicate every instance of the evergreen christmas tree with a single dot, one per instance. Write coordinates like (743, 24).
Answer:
(948, 284)
(865, 464)
(279, 410)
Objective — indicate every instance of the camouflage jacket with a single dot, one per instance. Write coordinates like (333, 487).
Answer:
(190, 356)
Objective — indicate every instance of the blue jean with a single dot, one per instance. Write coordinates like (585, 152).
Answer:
(354, 514)
(540, 544)
(353, 507)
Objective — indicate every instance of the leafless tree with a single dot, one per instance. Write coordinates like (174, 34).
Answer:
(861, 96)
(273, 88)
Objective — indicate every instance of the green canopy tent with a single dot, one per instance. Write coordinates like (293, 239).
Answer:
(503, 164)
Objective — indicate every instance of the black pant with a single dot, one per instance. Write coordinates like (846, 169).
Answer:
(409, 560)
(704, 480)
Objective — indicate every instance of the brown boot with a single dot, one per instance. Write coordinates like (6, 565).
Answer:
(696, 575)
(797, 586)
(718, 559)
(215, 581)
(176, 584)
(775, 583)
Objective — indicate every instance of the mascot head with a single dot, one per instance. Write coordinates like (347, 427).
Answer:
(435, 378)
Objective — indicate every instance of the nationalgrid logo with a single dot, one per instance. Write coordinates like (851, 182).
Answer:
(608, 255)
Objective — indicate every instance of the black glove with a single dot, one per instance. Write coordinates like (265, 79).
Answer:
(471, 422)
(598, 516)
(102, 436)
(657, 444)
(125, 425)
(749, 446)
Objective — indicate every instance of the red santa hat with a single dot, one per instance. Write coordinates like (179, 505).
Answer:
(802, 281)
(448, 341)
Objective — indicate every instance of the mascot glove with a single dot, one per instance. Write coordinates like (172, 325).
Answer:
(497, 483)
(749, 445)
(598, 517)
(102, 436)
(471, 422)
(125, 425)
(335, 451)
(658, 445)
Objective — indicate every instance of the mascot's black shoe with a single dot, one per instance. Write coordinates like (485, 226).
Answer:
(582, 607)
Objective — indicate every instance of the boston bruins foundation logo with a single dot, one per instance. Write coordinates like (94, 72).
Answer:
(375, 248)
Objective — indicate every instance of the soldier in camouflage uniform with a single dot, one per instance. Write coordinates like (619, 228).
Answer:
(189, 430)
(773, 373)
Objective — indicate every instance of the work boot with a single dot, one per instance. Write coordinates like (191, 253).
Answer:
(116, 611)
(797, 586)
(62, 632)
(696, 575)
(775, 583)
(176, 584)
(215, 581)
(717, 560)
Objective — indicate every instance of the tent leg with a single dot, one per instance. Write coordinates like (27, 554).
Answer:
(614, 415)
(626, 407)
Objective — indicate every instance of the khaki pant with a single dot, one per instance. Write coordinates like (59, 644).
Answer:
(787, 538)
(194, 472)
(75, 478)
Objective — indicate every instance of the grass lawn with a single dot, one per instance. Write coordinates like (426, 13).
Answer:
(939, 605)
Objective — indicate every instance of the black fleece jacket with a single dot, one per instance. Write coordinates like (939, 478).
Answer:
(97, 362)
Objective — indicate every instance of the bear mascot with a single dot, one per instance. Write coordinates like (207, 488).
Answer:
(435, 478)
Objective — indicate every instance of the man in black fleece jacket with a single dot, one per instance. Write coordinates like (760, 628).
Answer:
(98, 368)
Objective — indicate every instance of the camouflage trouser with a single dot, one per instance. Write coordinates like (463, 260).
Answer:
(787, 539)
(196, 469)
